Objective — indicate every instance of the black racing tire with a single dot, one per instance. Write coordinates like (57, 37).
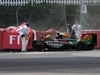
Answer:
(81, 45)
(91, 47)
(37, 45)
(37, 48)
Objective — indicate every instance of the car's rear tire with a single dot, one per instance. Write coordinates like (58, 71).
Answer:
(91, 47)
(81, 45)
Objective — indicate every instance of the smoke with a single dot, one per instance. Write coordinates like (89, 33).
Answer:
(52, 20)
(91, 20)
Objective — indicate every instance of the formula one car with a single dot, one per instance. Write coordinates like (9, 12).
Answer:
(87, 42)
(11, 41)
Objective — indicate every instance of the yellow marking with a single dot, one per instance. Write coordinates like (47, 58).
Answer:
(88, 38)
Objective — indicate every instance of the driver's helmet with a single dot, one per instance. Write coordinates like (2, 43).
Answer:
(48, 37)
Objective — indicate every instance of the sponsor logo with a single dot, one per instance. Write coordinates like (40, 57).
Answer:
(86, 36)
(54, 44)
(19, 29)
(13, 39)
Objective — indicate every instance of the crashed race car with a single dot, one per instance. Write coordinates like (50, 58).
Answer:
(10, 40)
(66, 42)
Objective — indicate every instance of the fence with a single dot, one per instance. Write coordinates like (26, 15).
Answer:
(24, 2)
(75, 2)
(44, 17)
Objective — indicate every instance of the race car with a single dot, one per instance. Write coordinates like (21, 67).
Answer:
(10, 40)
(67, 42)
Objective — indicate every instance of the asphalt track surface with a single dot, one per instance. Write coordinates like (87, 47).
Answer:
(50, 63)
